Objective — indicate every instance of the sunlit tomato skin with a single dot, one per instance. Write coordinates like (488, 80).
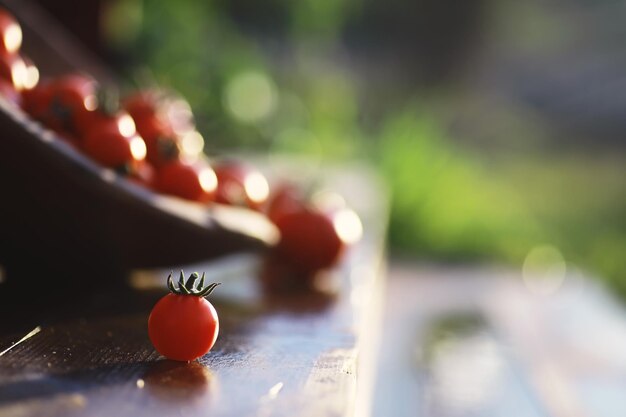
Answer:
(239, 184)
(13, 69)
(195, 182)
(10, 33)
(309, 240)
(31, 77)
(183, 327)
(108, 144)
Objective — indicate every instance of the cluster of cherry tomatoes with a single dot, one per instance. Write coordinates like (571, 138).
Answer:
(150, 137)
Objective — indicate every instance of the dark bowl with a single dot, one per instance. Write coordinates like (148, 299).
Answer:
(58, 208)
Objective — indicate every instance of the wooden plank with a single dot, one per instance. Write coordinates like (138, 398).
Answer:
(277, 354)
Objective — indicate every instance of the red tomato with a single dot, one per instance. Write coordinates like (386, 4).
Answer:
(183, 325)
(10, 33)
(114, 143)
(73, 104)
(309, 240)
(66, 105)
(146, 107)
(172, 110)
(36, 101)
(285, 198)
(239, 184)
(142, 104)
(190, 181)
(163, 146)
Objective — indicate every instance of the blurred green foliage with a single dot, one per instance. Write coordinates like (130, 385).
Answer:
(449, 202)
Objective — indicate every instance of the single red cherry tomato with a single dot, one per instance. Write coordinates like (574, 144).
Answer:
(183, 325)
(309, 240)
(114, 143)
(239, 184)
(65, 105)
(10, 33)
(195, 182)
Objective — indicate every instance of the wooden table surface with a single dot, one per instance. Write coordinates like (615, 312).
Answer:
(85, 351)
(478, 340)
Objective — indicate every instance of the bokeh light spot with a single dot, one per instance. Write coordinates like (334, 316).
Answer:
(256, 186)
(348, 226)
(250, 97)
(544, 270)
(138, 148)
(208, 180)
(13, 38)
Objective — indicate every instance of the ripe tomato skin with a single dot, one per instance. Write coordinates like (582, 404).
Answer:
(10, 33)
(309, 240)
(195, 182)
(142, 104)
(285, 198)
(240, 185)
(106, 144)
(73, 104)
(65, 105)
(183, 327)
(36, 101)
(163, 146)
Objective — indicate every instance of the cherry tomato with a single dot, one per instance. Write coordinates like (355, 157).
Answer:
(171, 109)
(66, 105)
(36, 101)
(190, 181)
(142, 104)
(285, 198)
(10, 33)
(163, 146)
(309, 240)
(113, 142)
(239, 184)
(147, 109)
(73, 104)
(183, 325)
